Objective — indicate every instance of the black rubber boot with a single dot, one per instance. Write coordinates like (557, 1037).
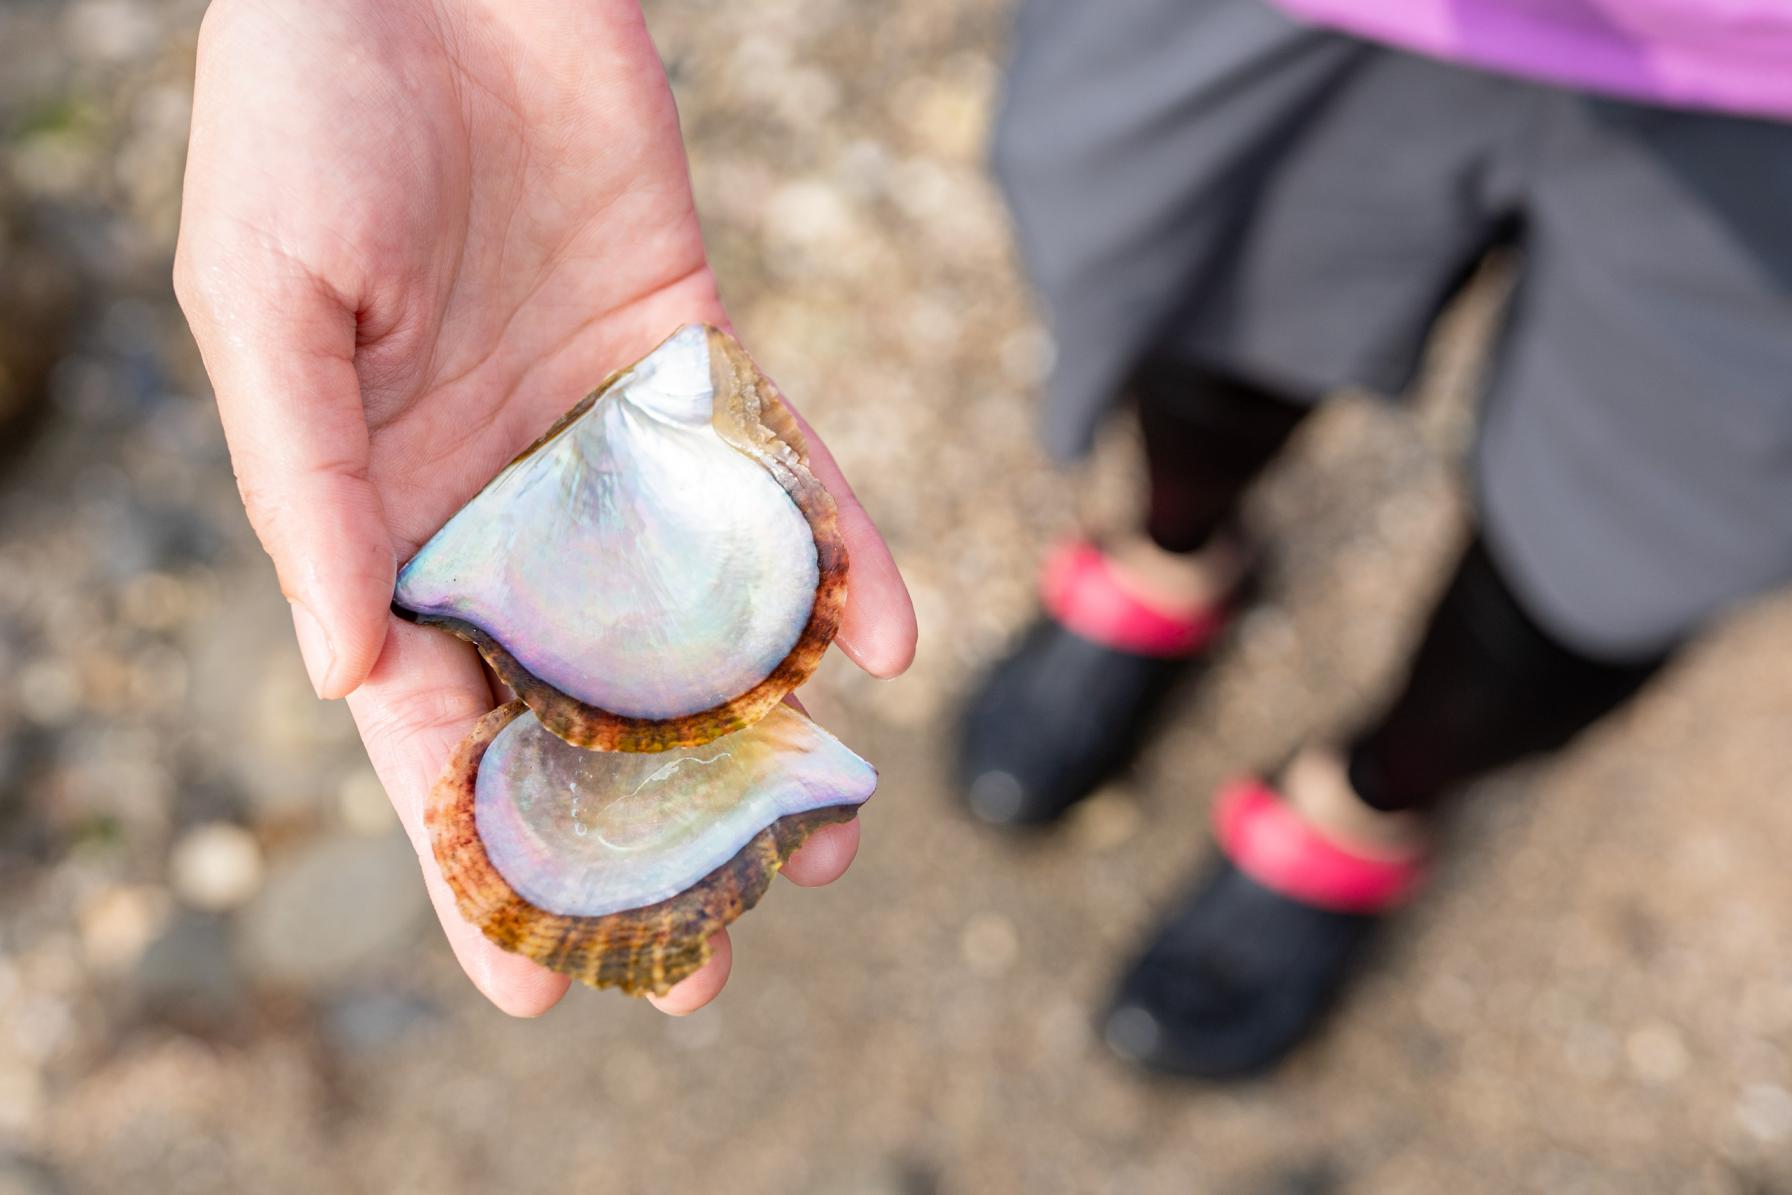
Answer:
(1055, 719)
(1237, 976)
(1063, 713)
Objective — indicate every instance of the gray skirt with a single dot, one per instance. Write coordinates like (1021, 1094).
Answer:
(1208, 180)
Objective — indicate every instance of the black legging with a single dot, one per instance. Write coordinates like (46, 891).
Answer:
(1487, 685)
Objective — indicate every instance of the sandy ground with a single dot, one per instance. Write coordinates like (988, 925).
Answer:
(216, 970)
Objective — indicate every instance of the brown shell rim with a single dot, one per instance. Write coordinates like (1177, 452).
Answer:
(638, 950)
(586, 725)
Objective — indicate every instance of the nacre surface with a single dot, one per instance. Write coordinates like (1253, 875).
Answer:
(660, 569)
(594, 832)
(618, 867)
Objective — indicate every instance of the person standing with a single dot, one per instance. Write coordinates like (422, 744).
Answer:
(1230, 210)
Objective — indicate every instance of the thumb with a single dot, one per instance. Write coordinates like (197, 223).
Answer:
(280, 351)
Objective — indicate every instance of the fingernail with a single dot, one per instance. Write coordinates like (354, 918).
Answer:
(314, 647)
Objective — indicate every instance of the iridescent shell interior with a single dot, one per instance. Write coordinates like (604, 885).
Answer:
(651, 578)
(660, 569)
(594, 832)
(617, 867)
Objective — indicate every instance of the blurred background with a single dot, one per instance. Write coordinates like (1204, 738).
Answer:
(217, 970)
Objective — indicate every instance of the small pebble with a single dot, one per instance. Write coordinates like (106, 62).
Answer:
(216, 866)
(154, 601)
(120, 923)
(363, 805)
(189, 974)
(989, 943)
(330, 907)
(49, 691)
(108, 30)
(1657, 1052)
(1106, 820)
(1765, 1112)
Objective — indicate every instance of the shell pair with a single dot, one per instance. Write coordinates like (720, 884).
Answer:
(652, 577)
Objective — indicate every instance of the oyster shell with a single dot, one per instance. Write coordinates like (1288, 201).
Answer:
(659, 569)
(617, 867)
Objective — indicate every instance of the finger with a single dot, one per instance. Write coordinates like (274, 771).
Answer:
(419, 701)
(877, 631)
(280, 352)
(279, 346)
(701, 986)
(825, 857)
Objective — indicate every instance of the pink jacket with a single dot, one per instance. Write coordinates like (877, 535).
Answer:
(1726, 55)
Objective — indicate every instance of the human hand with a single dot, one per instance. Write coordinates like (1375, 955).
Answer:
(412, 234)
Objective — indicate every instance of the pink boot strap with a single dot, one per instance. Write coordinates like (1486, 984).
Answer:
(1275, 846)
(1081, 593)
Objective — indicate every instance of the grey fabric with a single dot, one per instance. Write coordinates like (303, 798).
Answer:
(1635, 462)
(1209, 180)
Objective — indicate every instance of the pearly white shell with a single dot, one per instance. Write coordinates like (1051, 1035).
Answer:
(586, 833)
(636, 560)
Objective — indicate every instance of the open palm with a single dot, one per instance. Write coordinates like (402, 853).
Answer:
(412, 234)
